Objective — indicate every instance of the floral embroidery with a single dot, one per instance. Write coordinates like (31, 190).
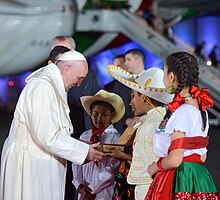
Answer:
(123, 190)
(162, 125)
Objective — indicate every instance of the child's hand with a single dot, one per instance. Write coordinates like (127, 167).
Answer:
(132, 121)
(116, 154)
(120, 155)
(86, 192)
(152, 169)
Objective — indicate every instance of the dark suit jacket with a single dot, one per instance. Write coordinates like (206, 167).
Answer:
(80, 119)
(125, 93)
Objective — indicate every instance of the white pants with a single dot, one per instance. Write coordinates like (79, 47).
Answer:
(141, 191)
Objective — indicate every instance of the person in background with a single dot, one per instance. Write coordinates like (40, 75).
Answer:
(213, 56)
(95, 180)
(181, 138)
(134, 62)
(148, 100)
(118, 61)
(33, 162)
(199, 50)
(123, 91)
(64, 40)
(56, 53)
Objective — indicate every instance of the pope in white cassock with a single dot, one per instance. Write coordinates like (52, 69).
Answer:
(33, 162)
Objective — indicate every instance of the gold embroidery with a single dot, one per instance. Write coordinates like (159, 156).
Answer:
(143, 148)
(148, 82)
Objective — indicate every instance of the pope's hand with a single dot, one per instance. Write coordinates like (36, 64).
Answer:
(94, 154)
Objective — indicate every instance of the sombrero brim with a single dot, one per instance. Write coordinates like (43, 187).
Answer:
(159, 94)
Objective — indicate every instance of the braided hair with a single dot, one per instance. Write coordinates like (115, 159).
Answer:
(186, 68)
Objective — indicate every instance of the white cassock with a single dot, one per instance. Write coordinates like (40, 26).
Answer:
(33, 162)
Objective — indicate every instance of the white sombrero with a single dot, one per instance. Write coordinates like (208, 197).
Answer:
(149, 83)
(111, 98)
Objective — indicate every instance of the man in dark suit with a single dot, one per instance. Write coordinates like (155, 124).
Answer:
(134, 62)
(124, 92)
(119, 61)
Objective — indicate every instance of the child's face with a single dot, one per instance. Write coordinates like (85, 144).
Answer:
(137, 104)
(101, 116)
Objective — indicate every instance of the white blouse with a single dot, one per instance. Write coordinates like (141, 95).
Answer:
(187, 119)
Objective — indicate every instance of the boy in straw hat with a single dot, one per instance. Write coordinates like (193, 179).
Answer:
(95, 180)
(148, 99)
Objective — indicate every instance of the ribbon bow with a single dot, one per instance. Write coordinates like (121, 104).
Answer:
(202, 96)
(177, 101)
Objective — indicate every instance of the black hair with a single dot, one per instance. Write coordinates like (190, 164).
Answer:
(186, 68)
(56, 51)
(137, 53)
(155, 102)
(120, 56)
(103, 103)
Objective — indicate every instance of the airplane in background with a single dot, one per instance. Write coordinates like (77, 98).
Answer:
(27, 27)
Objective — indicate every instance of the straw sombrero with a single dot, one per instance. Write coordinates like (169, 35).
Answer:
(149, 83)
(111, 98)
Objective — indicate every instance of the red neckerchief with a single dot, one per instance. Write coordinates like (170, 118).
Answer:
(95, 134)
(202, 96)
